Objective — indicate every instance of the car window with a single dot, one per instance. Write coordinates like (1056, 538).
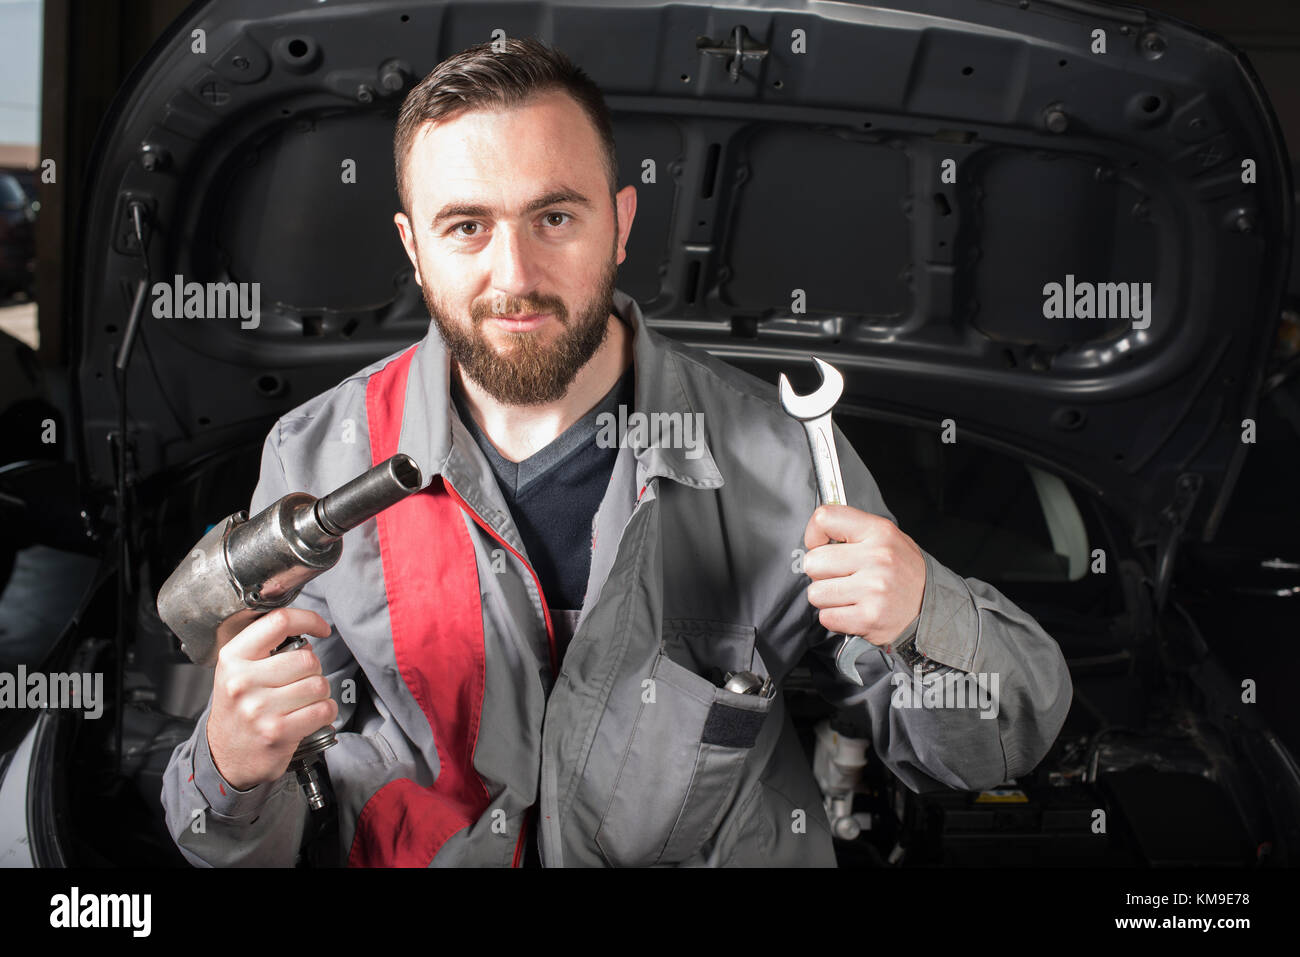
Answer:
(11, 194)
(983, 514)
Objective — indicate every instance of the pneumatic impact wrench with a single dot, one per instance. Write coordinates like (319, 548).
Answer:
(243, 568)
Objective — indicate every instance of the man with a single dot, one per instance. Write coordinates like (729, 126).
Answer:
(530, 654)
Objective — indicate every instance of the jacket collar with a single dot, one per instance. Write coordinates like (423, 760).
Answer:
(428, 435)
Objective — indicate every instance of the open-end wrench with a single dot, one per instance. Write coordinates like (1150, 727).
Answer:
(814, 411)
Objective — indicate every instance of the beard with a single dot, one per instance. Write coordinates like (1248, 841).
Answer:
(528, 371)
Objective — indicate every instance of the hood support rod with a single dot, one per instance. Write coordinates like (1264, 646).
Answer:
(1173, 521)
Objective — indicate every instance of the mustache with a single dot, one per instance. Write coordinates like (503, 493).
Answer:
(553, 306)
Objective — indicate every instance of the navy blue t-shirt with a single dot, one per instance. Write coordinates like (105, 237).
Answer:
(553, 496)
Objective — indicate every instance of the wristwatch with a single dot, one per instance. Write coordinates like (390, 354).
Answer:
(909, 654)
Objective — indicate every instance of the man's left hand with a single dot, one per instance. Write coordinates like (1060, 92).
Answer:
(867, 575)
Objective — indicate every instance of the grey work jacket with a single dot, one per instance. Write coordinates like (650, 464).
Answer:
(636, 756)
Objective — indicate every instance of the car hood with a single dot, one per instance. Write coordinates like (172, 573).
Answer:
(894, 187)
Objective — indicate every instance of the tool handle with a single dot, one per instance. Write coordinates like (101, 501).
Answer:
(292, 643)
(826, 461)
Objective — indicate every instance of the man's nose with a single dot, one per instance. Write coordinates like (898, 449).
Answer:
(514, 267)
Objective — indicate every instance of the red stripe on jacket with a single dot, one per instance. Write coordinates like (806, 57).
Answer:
(431, 583)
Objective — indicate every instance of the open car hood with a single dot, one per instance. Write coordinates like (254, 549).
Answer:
(892, 187)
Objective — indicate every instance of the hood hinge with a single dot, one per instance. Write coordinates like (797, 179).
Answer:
(1173, 519)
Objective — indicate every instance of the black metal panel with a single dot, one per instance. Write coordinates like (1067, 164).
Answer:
(921, 169)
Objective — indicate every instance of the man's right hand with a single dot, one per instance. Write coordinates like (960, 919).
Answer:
(264, 704)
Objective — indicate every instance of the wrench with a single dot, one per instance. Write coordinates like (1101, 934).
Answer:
(814, 412)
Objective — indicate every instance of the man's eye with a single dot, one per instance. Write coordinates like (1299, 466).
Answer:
(456, 229)
(565, 215)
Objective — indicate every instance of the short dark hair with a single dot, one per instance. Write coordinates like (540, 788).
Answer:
(482, 78)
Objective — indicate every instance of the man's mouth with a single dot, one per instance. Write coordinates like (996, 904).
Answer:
(521, 323)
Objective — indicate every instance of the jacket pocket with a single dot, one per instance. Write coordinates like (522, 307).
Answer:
(686, 750)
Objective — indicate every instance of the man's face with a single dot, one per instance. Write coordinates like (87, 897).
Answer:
(511, 217)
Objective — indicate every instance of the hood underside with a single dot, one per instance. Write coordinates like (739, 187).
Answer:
(1065, 227)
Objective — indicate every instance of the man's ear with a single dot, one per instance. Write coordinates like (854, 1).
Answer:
(625, 211)
(407, 233)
